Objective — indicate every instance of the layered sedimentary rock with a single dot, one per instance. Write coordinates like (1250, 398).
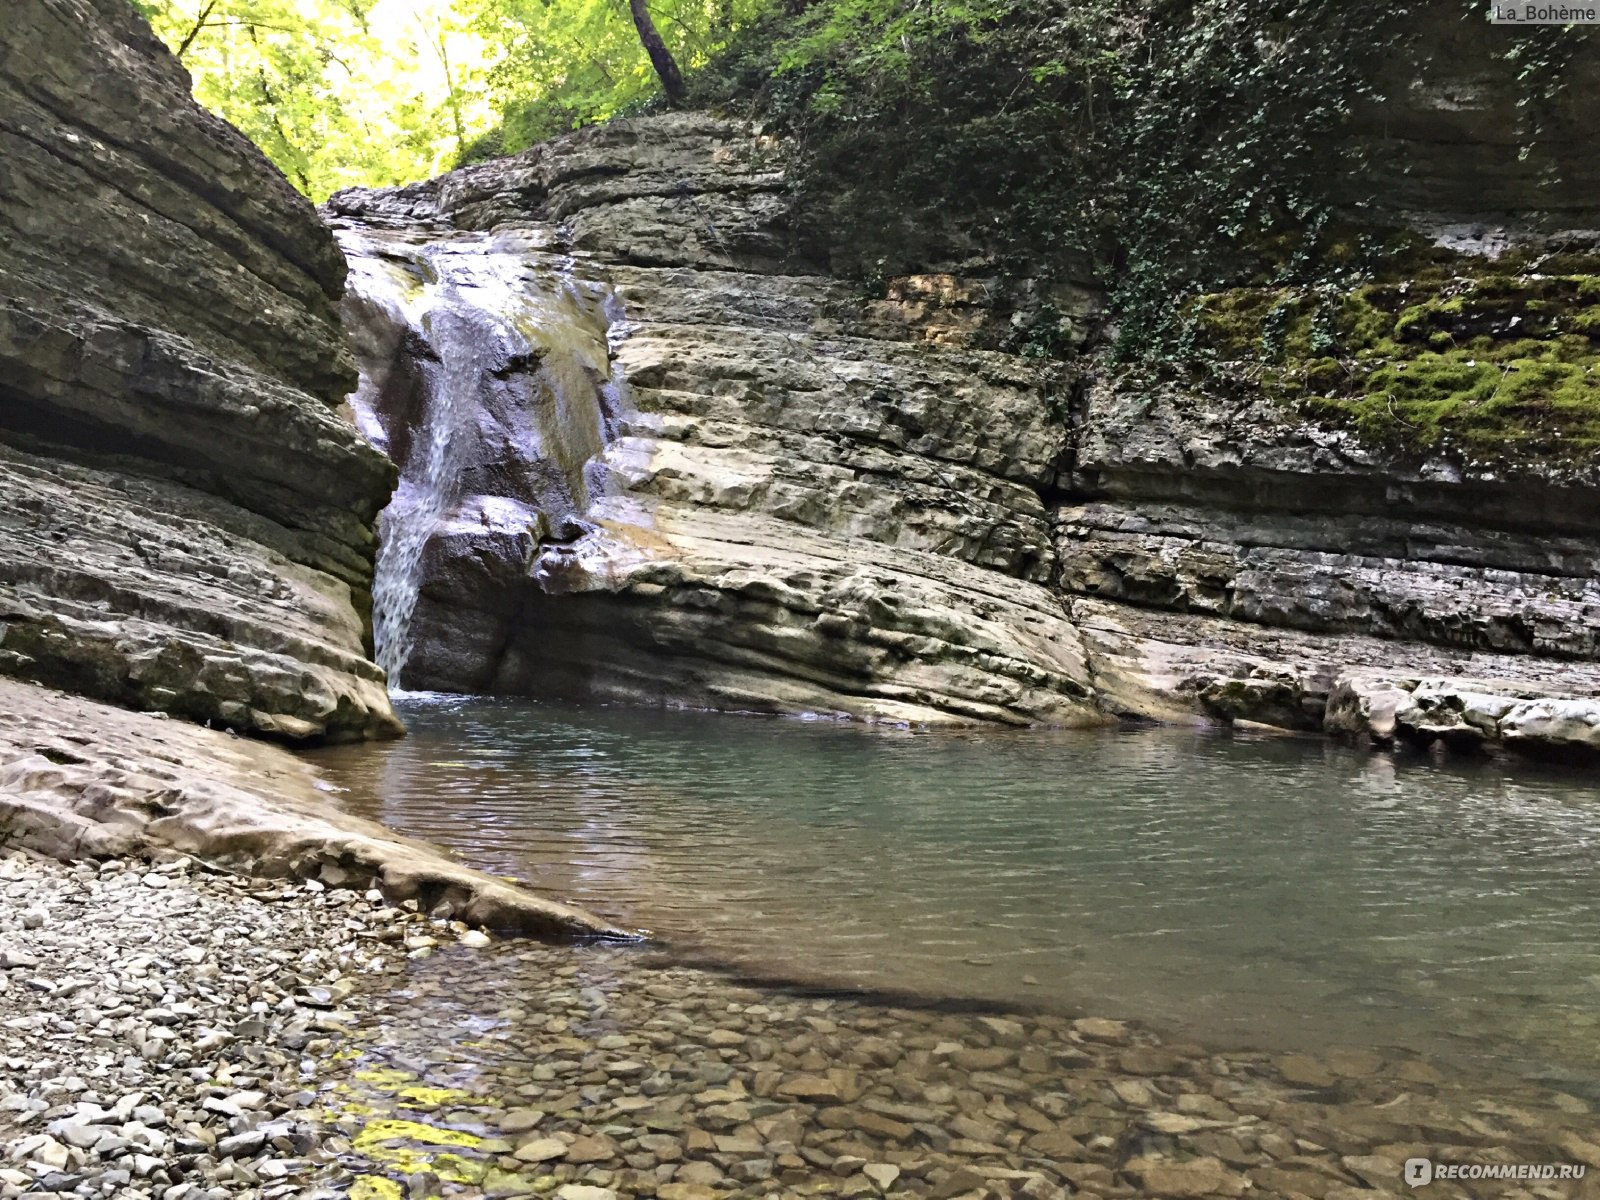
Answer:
(185, 516)
(1241, 563)
(681, 476)
(689, 469)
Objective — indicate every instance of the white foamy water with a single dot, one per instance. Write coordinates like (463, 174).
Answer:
(477, 352)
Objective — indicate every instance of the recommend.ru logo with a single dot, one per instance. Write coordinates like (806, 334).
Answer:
(1419, 1172)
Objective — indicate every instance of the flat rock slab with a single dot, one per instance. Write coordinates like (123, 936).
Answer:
(81, 779)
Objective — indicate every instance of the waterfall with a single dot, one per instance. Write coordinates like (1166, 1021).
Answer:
(485, 366)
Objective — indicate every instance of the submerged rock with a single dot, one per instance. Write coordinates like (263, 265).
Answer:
(185, 517)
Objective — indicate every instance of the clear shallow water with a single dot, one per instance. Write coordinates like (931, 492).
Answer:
(1277, 893)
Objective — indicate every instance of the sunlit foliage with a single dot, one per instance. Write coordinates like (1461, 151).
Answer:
(566, 63)
(336, 92)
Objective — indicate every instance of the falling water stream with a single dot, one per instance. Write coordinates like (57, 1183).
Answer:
(499, 355)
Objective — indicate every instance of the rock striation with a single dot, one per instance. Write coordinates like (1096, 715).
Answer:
(1246, 565)
(695, 470)
(685, 477)
(185, 515)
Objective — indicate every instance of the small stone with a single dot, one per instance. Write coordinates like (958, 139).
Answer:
(540, 1150)
(34, 918)
(241, 1144)
(1299, 1070)
(1100, 1029)
(685, 1191)
(752, 1170)
(597, 1148)
(810, 1087)
(49, 1152)
(476, 939)
(582, 1191)
(1196, 1177)
(882, 1175)
(520, 1120)
(698, 1172)
(76, 1133)
(1005, 1031)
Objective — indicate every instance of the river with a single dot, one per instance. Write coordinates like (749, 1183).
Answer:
(1246, 891)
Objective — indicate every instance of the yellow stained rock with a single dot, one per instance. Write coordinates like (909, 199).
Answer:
(435, 1097)
(390, 1129)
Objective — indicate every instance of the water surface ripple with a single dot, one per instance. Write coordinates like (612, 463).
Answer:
(1276, 893)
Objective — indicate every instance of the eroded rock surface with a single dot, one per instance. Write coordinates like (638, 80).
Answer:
(701, 485)
(80, 780)
(754, 489)
(1243, 565)
(187, 516)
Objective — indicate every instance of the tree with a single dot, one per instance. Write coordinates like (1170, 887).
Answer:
(334, 99)
(660, 57)
(566, 63)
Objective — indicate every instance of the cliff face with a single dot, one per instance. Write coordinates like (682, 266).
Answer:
(685, 478)
(752, 489)
(185, 517)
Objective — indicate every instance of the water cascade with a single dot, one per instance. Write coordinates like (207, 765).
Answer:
(485, 375)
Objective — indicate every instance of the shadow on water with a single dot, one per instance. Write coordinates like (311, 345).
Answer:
(1241, 890)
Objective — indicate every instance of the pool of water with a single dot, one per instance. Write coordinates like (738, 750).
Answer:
(1270, 892)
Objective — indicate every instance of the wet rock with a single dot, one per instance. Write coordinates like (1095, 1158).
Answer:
(844, 475)
(1299, 1070)
(521, 1120)
(541, 1149)
(1100, 1029)
(810, 1087)
(883, 1175)
(1195, 1177)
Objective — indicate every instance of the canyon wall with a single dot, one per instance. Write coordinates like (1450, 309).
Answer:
(689, 477)
(185, 516)
(755, 488)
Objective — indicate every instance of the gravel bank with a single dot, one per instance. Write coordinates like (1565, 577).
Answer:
(163, 1029)
(174, 1034)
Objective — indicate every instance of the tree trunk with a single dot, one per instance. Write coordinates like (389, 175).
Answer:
(199, 24)
(660, 57)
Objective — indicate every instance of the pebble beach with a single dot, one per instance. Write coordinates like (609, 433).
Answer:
(170, 1032)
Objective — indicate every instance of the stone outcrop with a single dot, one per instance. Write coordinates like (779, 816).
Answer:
(754, 489)
(185, 515)
(79, 779)
(687, 478)
(1242, 564)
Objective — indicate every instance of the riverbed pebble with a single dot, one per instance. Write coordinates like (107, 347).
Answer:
(615, 1070)
(213, 1037)
(151, 1033)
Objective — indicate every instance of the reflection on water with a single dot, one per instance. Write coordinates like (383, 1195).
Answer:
(1270, 892)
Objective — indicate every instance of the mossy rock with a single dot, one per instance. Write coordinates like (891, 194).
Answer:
(1497, 363)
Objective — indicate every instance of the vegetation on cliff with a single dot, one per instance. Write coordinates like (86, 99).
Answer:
(1435, 351)
(1196, 160)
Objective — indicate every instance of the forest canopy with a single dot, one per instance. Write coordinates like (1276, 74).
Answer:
(375, 92)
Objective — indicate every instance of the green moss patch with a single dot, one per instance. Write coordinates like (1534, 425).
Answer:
(1496, 363)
